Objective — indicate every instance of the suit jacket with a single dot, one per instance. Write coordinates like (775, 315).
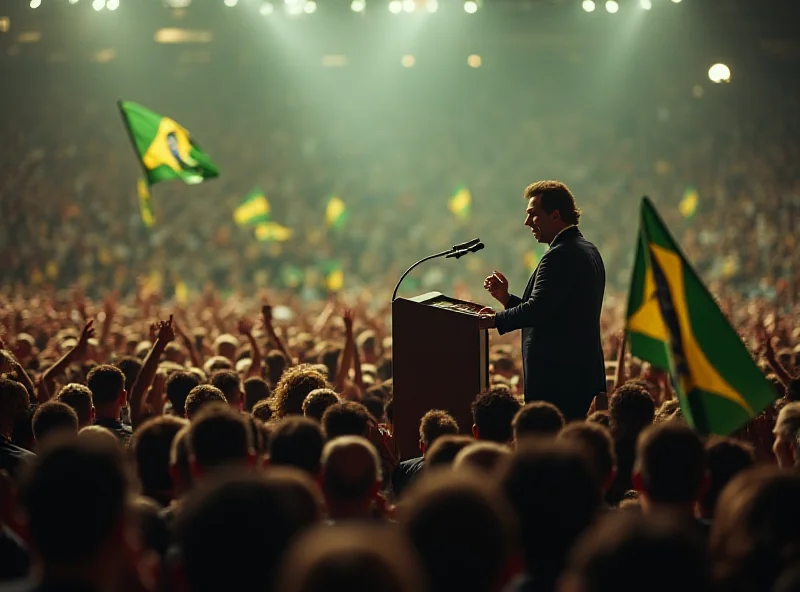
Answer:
(405, 473)
(559, 315)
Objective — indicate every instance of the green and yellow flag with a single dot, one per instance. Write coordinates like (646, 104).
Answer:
(333, 274)
(273, 232)
(254, 209)
(146, 204)
(460, 203)
(689, 203)
(674, 323)
(336, 213)
(165, 148)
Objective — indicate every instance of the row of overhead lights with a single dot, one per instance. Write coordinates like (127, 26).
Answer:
(612, 6)
(296, 7)
(98, 5)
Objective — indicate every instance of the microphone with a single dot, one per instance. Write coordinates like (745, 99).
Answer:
(466, 245)
(472, 249)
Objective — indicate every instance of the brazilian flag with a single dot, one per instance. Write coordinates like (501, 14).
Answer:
(165, 148)
(689, 204)
(146, 204)
(254, 209)
(273, 232)
(336, 214)
(460, 203)
(674, 323)
(333, 274)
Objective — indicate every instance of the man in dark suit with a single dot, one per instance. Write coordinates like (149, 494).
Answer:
(559, 312)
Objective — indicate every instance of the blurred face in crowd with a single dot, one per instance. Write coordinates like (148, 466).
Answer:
(543, 225)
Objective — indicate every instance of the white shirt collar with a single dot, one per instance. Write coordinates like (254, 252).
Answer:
(562, 230)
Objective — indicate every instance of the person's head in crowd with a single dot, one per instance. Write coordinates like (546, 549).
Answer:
(256, 389)
(375, 407)
(154, 533)
(433, 425)
(329, 358)
(631, 409)
(262, 411)
(463, 529)
(293, 388)
(200, 396)
(671, 470)
(648, 385)
(141, 349)
(493, 411)
(482, 456)
(596, 440)
(786, 432)
(276, 364)
(54, 419)
(175, 353)
(368, 344)
(346, 418)
(179, 385)
(353, 557)
(726, 458)
(755, 529)
(444, 450)
(538, 418)
(230, 383)
(317, 401)
(351, 477)
(74, 500)
(219, 436)
(180, 466)
(504, 366)
(628, 552)
(130, 366)
(252, 518)
(79, 397)
(556, 496)
(601, 417)
(100, 434)
(217, 363)
(297, 442)
(225, 346)
(107, 384)
(151, 445)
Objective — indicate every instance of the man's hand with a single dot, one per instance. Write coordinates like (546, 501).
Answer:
(82, 346)
(486, 318)
(165, 331)
(497, 285)
(245, 326)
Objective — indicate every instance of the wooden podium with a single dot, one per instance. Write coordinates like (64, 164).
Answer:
(440, 360)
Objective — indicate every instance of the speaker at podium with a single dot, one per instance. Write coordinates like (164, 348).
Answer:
(440, 360)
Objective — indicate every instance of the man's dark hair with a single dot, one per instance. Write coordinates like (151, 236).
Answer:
(179, 385)
(201, 395)
(445, 449)
(726, 458)
(276, 364)
(434, 424)
(556, 495)
(260, 513)
(262, 411)
(79, 397)
(538, 418)
(596, 441)
(74, 497)
(297, 442)
(14, 399)
(493, 410)
(463, 530)
(671, 459)
(229, 383)
(106, 383)
(329, 357)
(130, 366)
(374, 406)
(554, 195)
(293, 388)
(317, 401)
(151, 445)
(345, 419)
(219, 435)
(255, 389)
(52, 417)
(631, 409)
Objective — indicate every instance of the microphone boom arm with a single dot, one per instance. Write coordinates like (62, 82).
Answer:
(423, 260)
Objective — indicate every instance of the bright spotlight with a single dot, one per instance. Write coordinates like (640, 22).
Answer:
(310, 7)
(612, 7)
(470, 7)
(408, 61)
(231, 3)
(677, 1)
(409, 5)
(112, 4)
(395, 7)
(719, 73)
(358, 5)
(294, 7)
(99, 5)
(646, 4)
(36, 3)
(266, 8)
(73, 1)
(431, 6)
(474, 61)
(588, 5)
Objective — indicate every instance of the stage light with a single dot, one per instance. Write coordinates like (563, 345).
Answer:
(677, 1)
(432, 6)
(474, 61)
(395, 7)
(36, 3)
(719, 73)
(646, 4)
(73, 1)
(231, 3)
(470, 7)
(310, 7)
(294, 7)
(358, 5)
(99, 5)
(611, 6)
(409, 5)
(589, 5)
(408, 61)
(266, 8)
(112, 4)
